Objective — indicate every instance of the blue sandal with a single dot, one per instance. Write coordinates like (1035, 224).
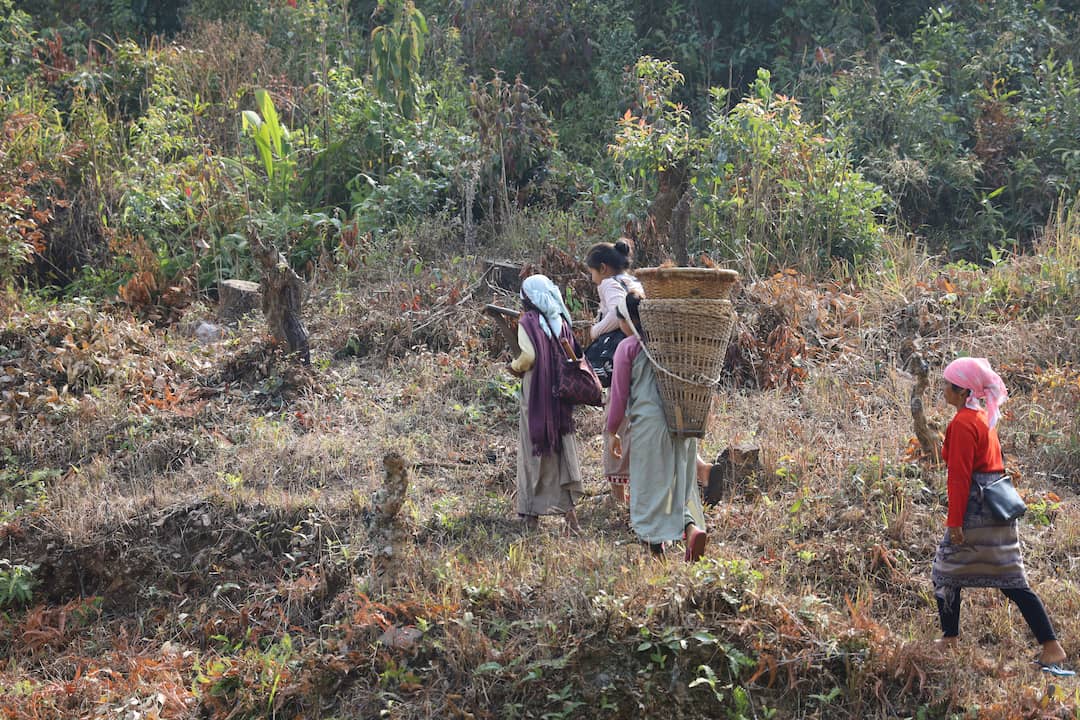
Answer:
(1055, 669)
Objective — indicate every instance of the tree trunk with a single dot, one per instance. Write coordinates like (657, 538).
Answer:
(655, 233)
(236, 298)
(680, 228)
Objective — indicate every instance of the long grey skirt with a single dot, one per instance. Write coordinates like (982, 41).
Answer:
(990, 556)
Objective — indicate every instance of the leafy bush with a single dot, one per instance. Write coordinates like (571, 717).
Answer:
(18, 42)
(660, 137)
(374, 162)
(362, 139)
(584, 118)
(214, 72)
(396, 48)
(777, 192)
(37, 157)
(908, 141)
(516, 141)
(969, 125)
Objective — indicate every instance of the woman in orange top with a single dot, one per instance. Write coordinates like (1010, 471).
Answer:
(978, 550)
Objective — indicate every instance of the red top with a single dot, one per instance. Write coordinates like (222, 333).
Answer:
(971, 446)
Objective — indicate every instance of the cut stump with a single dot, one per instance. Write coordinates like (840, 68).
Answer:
(237, 298)
(736, 467)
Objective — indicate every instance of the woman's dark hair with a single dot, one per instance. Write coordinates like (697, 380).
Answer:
(615, 255)
(633, 304)
(957, 388)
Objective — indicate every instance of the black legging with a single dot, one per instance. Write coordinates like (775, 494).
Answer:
(1030, 605)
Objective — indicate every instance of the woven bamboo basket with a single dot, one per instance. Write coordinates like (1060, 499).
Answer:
(684, 282)
(687, 341)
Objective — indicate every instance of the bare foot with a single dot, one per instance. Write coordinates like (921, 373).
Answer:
(1052, 653)
(695, 543)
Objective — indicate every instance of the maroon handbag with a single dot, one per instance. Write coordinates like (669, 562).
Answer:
(578, 384)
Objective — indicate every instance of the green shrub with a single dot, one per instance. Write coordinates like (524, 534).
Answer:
(362, 139)
(969, 127)
(40, 161)
(18, 41)
(778, 192)
(584, 118)
(214, 72)
(516, 141)
(907, 141)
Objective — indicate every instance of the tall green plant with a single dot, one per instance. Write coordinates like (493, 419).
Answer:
(657, 148)
(660, 135)
(396, 49)
(272, 145)
(516, 138)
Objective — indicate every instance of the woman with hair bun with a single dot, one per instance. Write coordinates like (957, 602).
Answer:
(608, 265)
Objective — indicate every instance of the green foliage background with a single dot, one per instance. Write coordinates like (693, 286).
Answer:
(809, 130)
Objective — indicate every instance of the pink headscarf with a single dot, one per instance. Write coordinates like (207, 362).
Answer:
(976, 375)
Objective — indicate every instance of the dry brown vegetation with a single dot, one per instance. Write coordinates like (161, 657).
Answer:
(193, 519)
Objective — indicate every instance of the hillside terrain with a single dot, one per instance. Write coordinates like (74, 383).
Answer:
(258, 437)
(190, 523)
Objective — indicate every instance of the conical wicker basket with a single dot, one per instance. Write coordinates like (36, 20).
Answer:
(686, 282)
(686, 340)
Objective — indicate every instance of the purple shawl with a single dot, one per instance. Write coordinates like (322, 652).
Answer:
(548, 418)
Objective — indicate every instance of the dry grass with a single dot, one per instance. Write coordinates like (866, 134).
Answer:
(221, 517)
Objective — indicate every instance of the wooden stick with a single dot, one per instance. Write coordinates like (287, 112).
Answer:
(495, 310)
(928, 439)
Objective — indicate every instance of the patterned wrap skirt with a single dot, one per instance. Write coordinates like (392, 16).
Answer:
(990, 555)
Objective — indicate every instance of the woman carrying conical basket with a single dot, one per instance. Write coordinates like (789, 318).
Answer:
(664, 385)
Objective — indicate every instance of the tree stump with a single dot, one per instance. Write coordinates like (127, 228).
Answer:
(237, 298)
(734, 468)
(503, 275)
(387, 532)
(282, 296)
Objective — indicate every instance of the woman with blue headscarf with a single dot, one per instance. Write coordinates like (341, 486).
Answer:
(548, 473)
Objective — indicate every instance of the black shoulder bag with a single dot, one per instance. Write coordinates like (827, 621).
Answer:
(601, 355)
(1001, 499)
